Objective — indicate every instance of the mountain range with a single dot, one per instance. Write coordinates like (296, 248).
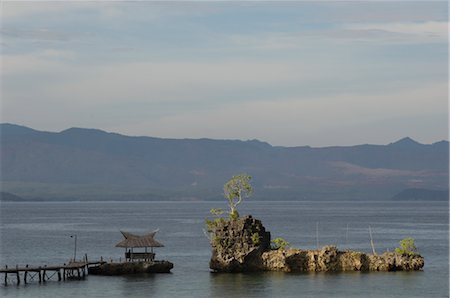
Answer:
(91, 164)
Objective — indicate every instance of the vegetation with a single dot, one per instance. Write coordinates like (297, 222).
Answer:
(256, 239)
(216, 211)
(279, 243)
(212, 224)
(235, 190)
(407, 247)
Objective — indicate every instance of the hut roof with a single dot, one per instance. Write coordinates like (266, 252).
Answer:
(132, 240)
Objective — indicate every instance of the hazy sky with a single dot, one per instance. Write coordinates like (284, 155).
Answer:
(289, 73)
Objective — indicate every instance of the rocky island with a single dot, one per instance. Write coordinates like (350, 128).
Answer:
(243, 245)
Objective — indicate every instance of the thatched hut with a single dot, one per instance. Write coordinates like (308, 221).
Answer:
(133, 241)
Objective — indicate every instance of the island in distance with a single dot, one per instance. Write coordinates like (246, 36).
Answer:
(90, 164)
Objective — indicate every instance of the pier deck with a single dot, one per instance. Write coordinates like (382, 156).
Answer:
(77, 270)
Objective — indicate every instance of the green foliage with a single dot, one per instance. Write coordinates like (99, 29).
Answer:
(407, 247)
(234, 215)
(211, 225)
(216, 241)
(279, 243)
(220, 244)
(235, 190)
(216, 211)
(256, 239)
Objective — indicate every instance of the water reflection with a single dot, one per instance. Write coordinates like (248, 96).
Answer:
(242, 284)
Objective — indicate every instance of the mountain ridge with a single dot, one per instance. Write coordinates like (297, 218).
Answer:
(71, 130)
(90, 163)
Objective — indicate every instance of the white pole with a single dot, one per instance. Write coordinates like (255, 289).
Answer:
(317, 234)
(75, 247)
(371, 241)
(346, 236)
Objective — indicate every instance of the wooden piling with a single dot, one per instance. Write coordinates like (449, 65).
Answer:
(62, 272)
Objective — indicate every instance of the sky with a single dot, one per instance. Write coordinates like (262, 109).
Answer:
(288, 73)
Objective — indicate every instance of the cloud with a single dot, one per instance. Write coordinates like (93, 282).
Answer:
(379, 33)
(423, 30)
(315, 121)
(35, 34)
(292, 74)
(16, 10)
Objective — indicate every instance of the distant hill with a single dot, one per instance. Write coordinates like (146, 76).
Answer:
(6, 196)
(420, 194)
(93, 164)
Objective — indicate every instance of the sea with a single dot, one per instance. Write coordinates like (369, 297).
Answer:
(38, 233)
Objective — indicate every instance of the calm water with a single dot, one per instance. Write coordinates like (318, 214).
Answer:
(38, 233)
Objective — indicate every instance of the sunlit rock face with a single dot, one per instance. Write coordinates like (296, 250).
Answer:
(329, 259)
(243, 245)
(237, 245)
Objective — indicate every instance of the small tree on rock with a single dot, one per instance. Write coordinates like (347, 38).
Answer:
(279, 243)
(407, 247)
(235, 190)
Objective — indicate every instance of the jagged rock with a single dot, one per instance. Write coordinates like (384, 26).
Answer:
(392, 261)
(238, 245)
(235, 250)
(329, 259)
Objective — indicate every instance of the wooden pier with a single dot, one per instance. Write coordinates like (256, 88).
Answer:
(72, 270)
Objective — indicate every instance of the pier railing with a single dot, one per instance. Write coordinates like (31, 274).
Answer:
(71, 270)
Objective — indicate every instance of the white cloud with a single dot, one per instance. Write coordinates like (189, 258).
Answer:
(379, 33)
(428, 30)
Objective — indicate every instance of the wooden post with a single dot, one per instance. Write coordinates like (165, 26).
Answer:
(6, 276)
(40, 275)
(64, 273)
(25, 274)
(17, 274)
(59, 274)
(78, 273)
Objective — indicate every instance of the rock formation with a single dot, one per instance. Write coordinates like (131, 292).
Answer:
(330, 259)
(238, 245)
(243, 245)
